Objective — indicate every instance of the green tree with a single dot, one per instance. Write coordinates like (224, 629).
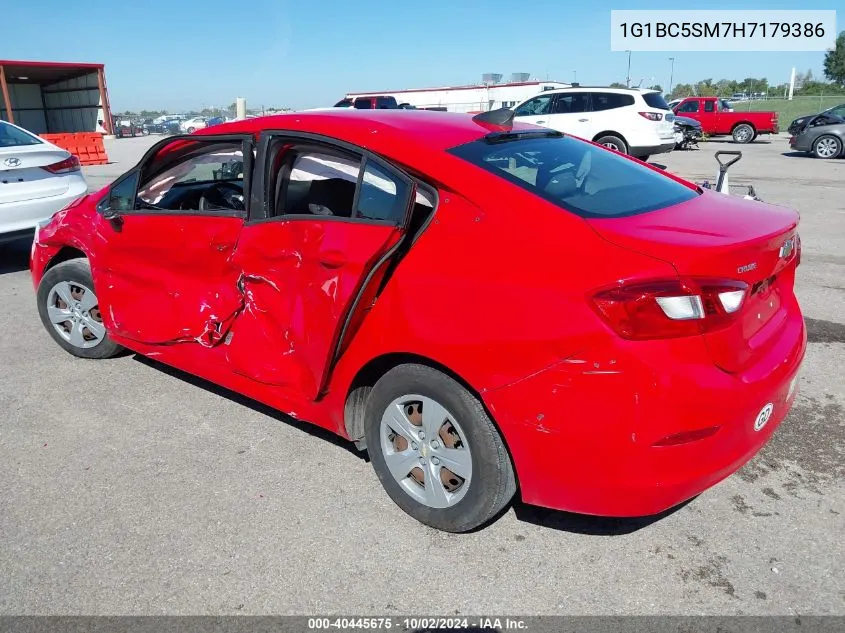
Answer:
(680, 91)
(834, 61)
(616, 84)
(657, 87)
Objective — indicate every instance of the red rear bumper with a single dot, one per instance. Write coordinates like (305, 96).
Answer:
(582, 433)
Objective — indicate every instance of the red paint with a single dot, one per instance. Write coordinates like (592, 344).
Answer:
(498, 289)
(30, 64)
(718, 122)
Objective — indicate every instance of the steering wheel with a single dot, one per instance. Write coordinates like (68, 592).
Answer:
(223, 195)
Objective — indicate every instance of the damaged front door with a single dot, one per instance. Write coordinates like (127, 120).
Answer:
(336, 218)
(168, 229)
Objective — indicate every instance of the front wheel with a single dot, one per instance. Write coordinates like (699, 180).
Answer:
(827, 147)
(70, 310)
(614, 143)
(743, 133)
(191, 130)
(435, 449)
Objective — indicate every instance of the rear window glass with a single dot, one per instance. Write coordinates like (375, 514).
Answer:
(11, 136)
(611, 100)
(585, 179)
(656, 100)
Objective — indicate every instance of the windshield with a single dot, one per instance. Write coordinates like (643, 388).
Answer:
(586, 179)
(10, 136)
(655, 100)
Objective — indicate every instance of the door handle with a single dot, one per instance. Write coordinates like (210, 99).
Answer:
(539, 122)
(332, 259)
(583, 120)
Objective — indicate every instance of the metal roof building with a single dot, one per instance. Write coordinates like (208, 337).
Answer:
(54, 97)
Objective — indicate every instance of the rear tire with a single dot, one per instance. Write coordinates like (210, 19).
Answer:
(191, 130)
(827, 146)
(613, 142)
(643, 158)
(407, 403)
(70, 311)
(743, 133)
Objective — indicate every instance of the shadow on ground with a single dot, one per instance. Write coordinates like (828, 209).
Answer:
(14, 256)
(543, 517)
(254, 405)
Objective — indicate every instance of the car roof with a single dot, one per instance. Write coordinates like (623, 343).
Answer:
(390, 132)
(598, 89)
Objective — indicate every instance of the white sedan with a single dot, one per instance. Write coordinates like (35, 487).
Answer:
(193, 124)
(37, 179)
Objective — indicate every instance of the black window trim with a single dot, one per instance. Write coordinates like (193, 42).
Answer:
(260, 197)
(247, 145)
(558, 95)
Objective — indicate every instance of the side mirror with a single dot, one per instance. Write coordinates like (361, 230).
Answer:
(120, 197)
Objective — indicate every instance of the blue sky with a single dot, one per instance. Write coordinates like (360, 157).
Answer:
(188, 54)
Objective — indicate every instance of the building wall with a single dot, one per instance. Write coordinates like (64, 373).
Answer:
(27, 96)
(72, 105)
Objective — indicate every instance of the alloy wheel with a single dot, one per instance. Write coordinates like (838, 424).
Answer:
(74, 311)
(426, 451)
(827, 147)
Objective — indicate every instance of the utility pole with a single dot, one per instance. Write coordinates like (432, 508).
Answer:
(628, 76)
(574, 76)
(671, 75)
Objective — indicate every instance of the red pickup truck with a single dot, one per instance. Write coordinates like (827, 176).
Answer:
(743, 126)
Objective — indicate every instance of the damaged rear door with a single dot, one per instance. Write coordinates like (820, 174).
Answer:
(331, 219)
(166, 232)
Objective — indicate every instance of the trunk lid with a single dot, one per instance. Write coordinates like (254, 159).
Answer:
(22, 177)
(724, 237)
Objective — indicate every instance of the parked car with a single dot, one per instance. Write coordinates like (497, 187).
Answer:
(608, 367)
(37, 179)
(744, 127)
(215, 120)
(376, 102)
(687, 132)
(822, 135)
(124, 127)
(799, 123)
(191, 125)
(631, 121)
(153, 126)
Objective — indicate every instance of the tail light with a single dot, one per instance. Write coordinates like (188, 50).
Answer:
(652, 116)
(670, 308)
(63, 167)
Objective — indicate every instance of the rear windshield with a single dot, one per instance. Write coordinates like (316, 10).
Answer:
(656, 100)
(586, 179)
(11, 136)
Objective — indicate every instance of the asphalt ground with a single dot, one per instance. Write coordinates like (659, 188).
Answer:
(129, 488)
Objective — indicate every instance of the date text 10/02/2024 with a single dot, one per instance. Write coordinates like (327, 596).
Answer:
(417, 623)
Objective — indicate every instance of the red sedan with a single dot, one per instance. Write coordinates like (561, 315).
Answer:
(484, 307)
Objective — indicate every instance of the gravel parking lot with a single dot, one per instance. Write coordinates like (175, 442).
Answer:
(129, 488)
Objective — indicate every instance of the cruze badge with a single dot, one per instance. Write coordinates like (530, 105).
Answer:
(12, 162)
(747, 268)
(787, 248)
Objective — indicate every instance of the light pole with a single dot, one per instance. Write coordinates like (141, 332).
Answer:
(628, 76)
(671, 75)
(574, 76)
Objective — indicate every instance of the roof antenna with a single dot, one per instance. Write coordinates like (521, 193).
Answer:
(501, 117)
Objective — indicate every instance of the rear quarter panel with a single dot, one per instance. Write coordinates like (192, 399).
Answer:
(496, 288)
